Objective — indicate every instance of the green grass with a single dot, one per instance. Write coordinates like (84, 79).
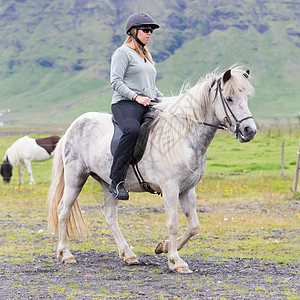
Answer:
(243, 212)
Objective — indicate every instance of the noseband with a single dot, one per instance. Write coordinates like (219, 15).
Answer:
(228, 109)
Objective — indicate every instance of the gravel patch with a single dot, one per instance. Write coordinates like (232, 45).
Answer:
(103, 275)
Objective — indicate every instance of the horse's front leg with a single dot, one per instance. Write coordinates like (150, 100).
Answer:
(110, 213)
(170, 199)
(188, 206)
(29, 170)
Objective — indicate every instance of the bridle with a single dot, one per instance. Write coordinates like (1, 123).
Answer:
(228, 110)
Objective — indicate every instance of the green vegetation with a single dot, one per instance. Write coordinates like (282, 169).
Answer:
(244, 211)
(55, 56)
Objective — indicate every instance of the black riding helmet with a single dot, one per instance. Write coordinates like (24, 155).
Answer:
(137, 20)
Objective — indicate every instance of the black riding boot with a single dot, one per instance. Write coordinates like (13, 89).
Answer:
(118, 190)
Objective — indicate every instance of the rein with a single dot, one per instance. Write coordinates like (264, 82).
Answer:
(227, 108)
(221, 126)
(145, 185)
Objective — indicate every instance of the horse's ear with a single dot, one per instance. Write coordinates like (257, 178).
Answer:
(226, 76)
(247, 73)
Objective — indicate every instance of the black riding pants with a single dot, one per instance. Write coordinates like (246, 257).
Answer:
(129, 116)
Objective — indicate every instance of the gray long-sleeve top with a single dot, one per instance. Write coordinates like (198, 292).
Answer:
(130, 75)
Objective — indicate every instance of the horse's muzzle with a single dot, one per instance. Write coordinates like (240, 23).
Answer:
(6, 179)
(246, 134)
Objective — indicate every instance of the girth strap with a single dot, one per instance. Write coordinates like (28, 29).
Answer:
(145, 186)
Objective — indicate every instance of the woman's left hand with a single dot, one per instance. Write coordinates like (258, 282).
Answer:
(143, 100)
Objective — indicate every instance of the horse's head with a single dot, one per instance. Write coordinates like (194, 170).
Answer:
(231, 103)
(6, 170)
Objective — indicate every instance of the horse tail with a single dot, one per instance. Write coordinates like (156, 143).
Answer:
(76, 226)
(56, 189)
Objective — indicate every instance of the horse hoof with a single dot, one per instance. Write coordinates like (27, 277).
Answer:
(183, 270)
(160, 248)
(132, 261)
(70, 261)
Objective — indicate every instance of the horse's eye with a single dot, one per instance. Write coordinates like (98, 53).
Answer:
(229, 99)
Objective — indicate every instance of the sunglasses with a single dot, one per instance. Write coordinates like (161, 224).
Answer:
(146, 29)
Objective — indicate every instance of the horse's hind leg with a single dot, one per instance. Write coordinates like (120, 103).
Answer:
(73, 187)
(110, 214)
(29, 170)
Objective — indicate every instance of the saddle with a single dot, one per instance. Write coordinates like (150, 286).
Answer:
(139, 149)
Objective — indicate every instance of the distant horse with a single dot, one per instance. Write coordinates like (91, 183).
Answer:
(173, 162)
(23, 151)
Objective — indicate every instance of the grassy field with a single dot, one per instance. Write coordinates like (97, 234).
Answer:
(245, 207)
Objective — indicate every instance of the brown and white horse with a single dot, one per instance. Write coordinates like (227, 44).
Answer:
(173, 162)
(25, 150)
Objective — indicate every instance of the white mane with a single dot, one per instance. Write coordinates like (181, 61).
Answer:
(178, 116)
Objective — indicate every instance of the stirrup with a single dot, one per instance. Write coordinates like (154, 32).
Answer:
(116, 192)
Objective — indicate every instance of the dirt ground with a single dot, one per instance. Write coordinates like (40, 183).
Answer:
(102, 275)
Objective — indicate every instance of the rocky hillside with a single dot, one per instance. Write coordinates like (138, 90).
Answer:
(55, 54)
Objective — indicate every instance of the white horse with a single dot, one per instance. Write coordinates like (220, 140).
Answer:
(23, 151)
(173, 162)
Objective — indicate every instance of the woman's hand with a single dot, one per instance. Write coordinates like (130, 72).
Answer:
(143, 100)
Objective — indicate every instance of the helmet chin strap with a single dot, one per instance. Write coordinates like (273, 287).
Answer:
(143, 45)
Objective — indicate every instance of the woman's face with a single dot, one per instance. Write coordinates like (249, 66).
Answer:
(144, 34)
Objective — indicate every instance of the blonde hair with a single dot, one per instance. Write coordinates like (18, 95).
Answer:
(137, 46)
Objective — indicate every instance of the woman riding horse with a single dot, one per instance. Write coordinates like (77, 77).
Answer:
(173, 162)
(133, 78)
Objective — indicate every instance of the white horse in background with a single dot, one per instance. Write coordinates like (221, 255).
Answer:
(24, 151)
(173, 162)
